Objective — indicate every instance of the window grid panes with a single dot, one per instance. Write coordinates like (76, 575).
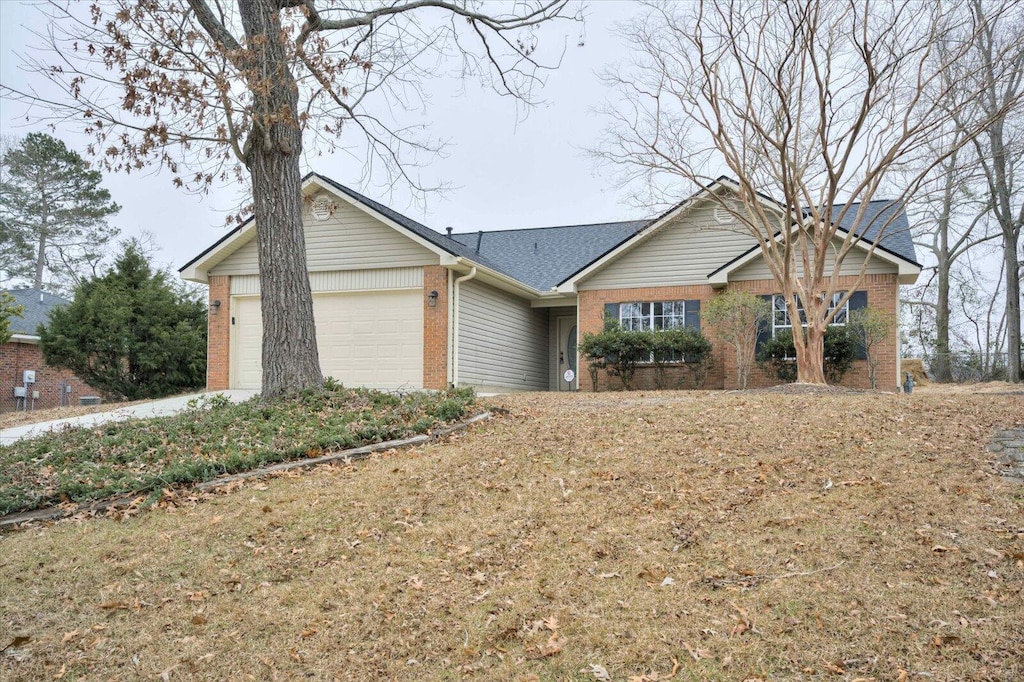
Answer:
(643, 316)
(780, 317)
(653, 315)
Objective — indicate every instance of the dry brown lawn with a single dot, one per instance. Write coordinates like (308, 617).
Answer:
(19, 418)
(652, 536)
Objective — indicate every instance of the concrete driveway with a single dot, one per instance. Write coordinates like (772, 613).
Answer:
(154, 408)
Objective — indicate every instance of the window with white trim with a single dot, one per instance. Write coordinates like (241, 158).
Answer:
(656, 315)
(780, 313)
(649, 315)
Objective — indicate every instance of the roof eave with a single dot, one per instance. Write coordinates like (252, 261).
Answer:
(197, 269)
(496, 278)
(907, 270)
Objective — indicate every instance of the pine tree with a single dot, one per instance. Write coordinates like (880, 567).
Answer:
(53, 215)
(131, 333)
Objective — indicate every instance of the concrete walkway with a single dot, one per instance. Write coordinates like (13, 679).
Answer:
(155, 408)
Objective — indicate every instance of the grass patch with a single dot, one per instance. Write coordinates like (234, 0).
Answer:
(211, 438)
(637, 532)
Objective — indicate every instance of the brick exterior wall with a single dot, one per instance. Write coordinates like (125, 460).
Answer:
(218, 341)
(882, 292)
(591, 316)
(435, 327)
(15, 358)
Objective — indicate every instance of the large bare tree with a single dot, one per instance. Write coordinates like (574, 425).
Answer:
(952, 220)
(222, 89)
(817, 103)
(989, 90)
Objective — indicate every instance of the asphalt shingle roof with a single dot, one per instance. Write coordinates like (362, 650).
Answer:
(896, 238)
(544, 257)
(37, 306)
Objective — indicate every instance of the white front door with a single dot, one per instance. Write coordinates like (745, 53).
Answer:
(568, 366)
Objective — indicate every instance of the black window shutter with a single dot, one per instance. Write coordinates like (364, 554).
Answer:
(611, 310)
(693, 314)
(764, 331)
(858, 300)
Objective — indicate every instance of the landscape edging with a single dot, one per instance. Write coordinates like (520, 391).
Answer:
(13, 521)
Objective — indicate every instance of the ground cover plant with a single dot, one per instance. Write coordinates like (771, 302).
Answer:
(716, 536)
(211, 439)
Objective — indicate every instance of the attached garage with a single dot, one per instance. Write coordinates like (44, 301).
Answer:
(385, 289)
(365, 338)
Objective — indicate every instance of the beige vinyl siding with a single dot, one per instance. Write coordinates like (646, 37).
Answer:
(349, 240)
(682, 253)
(342, 280)
(757, 269)
(503, 342)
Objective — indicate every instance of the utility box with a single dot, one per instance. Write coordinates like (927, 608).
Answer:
(89, 400)
(20, 392)
(29, 376)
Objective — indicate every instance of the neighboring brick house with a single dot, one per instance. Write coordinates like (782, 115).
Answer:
(22, 353)
(399, 305)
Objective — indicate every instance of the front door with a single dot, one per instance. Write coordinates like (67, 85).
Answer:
(568, 367)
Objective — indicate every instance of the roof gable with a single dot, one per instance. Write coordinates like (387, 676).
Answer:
(197, 268)
(896, 242)
(896, 245)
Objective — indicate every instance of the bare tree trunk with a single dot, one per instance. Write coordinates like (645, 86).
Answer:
(40, 260)
(941, 367)
(290, 358)
(810, 353)
(1011, 267)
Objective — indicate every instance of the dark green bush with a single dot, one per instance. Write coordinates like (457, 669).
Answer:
(777, 354)
(621, 352)
(670, 347)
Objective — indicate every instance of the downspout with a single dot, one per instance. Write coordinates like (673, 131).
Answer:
(899, 349)
(455, 324)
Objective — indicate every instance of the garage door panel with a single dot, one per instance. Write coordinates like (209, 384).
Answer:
(372, 339)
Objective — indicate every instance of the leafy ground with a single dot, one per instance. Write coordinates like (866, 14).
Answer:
(19, 418)
(648, 536)
(212, 439)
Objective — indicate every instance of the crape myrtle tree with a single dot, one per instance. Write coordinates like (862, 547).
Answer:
(737, 316)
(215, 89)
(816, 103)
(54, 215)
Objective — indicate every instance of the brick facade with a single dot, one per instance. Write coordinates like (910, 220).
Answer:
(882, 293)
(435, 327)
(15, 358)
(591, 316)
(218, 340)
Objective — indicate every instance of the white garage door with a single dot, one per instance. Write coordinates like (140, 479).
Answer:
(372, 339)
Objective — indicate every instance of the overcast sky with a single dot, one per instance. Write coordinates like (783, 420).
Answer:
(504, 170)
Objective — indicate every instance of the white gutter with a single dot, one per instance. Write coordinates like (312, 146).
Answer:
(455, 324)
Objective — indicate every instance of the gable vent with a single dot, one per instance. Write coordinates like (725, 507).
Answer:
(322, 207)
(722, 214)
